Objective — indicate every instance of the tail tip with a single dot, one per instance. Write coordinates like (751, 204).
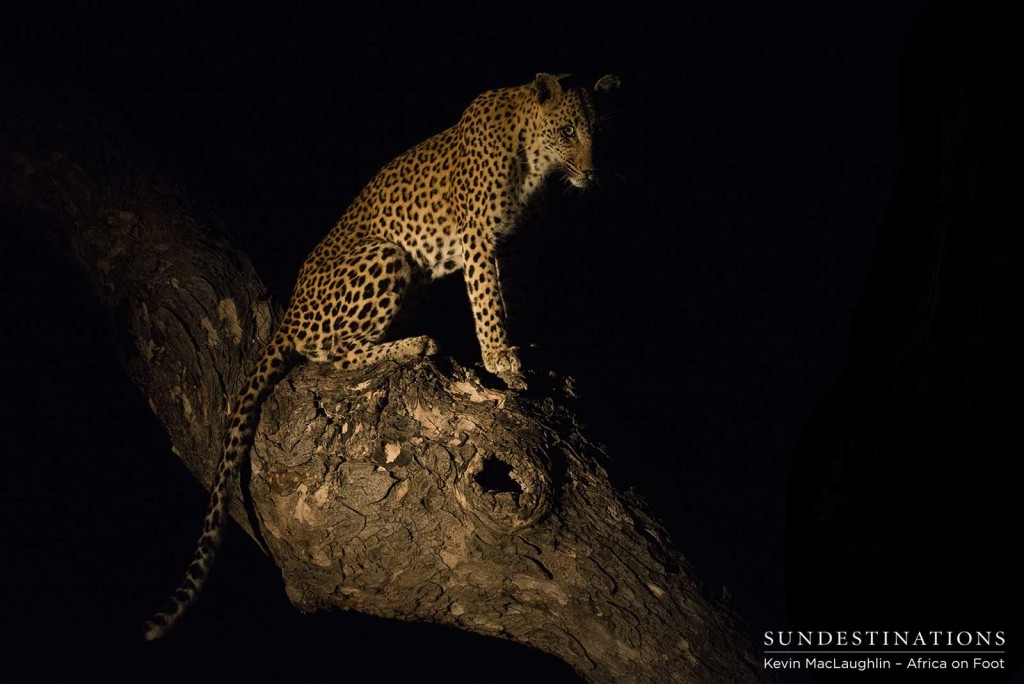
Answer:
(153, 630)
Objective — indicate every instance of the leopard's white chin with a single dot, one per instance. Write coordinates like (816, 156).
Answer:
(581, 181)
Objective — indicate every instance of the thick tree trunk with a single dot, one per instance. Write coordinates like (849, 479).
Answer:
(415, 492)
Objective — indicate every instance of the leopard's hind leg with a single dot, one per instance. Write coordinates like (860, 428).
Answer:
(344, 308)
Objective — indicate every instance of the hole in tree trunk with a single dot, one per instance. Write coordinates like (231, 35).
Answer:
(495, 477)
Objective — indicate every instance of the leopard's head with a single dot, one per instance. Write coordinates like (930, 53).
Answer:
(568, 119)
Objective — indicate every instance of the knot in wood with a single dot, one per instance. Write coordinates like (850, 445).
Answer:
(506, 491)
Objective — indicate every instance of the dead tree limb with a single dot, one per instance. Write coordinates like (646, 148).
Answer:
(415, 492)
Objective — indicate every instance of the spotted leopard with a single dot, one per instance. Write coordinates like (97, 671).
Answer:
(436, 209)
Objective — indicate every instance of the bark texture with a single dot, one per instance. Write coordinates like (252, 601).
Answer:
(416, 492)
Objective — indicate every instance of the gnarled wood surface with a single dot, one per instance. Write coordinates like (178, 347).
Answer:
(418, 492)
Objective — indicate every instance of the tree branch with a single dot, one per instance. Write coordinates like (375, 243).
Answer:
(417, 493)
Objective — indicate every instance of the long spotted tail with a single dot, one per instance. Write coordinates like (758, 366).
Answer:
(241, 429)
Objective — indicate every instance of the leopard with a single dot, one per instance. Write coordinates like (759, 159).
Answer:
(438, 208)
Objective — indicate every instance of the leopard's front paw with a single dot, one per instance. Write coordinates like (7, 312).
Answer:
(505, 364)
(516, 381)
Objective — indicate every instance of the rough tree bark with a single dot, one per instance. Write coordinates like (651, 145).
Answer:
(415, 492)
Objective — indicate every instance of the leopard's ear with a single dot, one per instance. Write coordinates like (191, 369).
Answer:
(548, 89)
(607, 83)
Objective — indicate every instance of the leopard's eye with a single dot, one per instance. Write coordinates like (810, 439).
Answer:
(568, 131)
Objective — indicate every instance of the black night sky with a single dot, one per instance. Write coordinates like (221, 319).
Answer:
(702, 298)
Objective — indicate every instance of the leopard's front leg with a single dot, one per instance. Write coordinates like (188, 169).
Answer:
(481, 275)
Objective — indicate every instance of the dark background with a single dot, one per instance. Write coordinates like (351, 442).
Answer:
(702, 297)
